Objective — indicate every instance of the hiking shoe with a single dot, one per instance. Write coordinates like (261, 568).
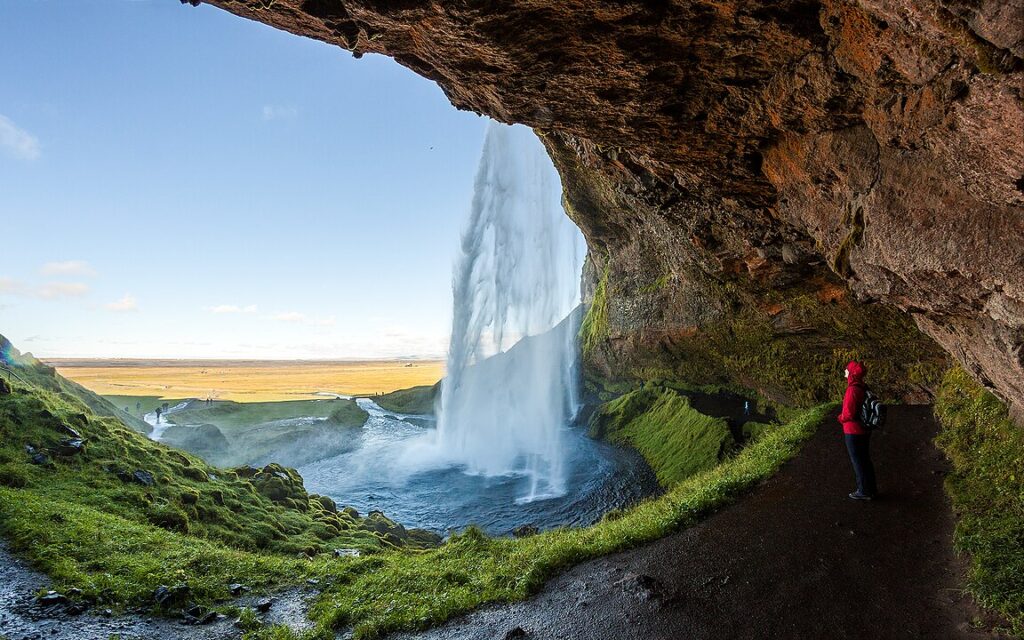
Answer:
(857, 495)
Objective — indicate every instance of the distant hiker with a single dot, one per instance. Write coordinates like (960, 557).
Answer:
(746, 407)
(158, 412)
(138, 406)
(857, 436)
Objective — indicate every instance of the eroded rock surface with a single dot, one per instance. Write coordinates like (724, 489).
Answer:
(742, 155)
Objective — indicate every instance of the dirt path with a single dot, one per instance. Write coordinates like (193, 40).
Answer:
(797, 559)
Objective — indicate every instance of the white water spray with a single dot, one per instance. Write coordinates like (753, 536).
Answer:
(517, 278)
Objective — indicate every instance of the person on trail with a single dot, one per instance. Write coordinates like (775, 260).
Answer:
(858, 438)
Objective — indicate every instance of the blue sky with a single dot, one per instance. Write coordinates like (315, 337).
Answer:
(179, 182)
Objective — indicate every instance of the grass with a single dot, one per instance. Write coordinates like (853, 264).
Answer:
(675, 439)
(247, 381)
(417, 590)
(987, 489)
(87, 523)
(208, 527)
(415, 401)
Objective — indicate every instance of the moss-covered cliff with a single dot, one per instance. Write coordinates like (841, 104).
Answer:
(728, 159)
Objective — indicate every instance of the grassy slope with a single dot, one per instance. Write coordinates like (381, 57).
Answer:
(117, 540)
(415, 400)
(987, 489)
(675, 439)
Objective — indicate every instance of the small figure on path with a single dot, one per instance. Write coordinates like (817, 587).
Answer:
(857, 436)
(158, 412)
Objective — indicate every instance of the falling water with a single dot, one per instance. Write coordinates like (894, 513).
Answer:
(516, 284)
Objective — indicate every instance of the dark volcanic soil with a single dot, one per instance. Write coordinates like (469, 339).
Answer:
(797, 559)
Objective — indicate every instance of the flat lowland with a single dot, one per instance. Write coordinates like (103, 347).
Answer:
(247, 380)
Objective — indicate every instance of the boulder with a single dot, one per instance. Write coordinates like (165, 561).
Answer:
(346, 553)
(52, 599)
(70, 447)
(40, 459)
(525, 531)
(175, 596)
(145, 478)
(5, 388)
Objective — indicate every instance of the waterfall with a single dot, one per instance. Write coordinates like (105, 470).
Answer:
(510, 386)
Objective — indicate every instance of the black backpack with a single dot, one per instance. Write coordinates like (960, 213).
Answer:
(872, 411)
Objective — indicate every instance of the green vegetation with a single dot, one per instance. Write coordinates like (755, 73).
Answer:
(415, 400)
(84, 520)
(795, 355)
(416, 590)
(675, 439)
(594, 328)
(119, 514)
(987, 489)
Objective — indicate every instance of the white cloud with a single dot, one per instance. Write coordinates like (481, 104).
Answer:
(10, 286)
(126, 303)
(290, 316)
(232, 308)
(67, 268)
(279, 112)
(17, 142)
(55, 290)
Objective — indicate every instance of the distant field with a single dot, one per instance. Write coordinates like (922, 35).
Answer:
(246, 380)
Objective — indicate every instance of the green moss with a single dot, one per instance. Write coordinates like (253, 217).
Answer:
(675, 439)
(414, 400)
(754, 430)
(594, 328)
(987, 489)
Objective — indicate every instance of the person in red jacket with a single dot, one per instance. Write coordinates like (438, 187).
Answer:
(858, 439)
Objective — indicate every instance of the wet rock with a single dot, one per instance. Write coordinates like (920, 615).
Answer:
(69, 431)
(351, 512)
(70, 447)
(515, 632)
(525, 531)
(264, 606)
(237, 589)
(168, 597)
(52, 599)
(328, 504)
(40, 459)
(145, 478)
(346, 553)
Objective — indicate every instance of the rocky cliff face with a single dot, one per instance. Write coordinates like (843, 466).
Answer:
(753, 159)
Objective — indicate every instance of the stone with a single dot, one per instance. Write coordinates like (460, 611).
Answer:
(515, 632)
(40, 459)
(525, 531)
(237, 589)
(346, 553)
(70, 447)
(145, 478)
(5, 388)
(52, 599)
(264, 606)
(69, 431)
(168, 597)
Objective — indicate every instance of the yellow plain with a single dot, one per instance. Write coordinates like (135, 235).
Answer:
(247, 381)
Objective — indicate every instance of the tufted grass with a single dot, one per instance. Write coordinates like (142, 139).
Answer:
(987, 490)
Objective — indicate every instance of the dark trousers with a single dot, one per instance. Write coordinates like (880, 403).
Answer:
(859, 447)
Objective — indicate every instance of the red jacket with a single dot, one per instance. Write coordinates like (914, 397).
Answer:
(849, 417)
